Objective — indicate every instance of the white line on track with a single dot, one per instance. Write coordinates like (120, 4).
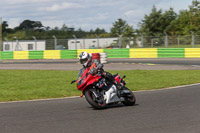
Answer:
(50, 99)
(41, 99)
(195, 65)
(170, 88)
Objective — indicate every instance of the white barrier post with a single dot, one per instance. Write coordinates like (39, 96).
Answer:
(103, 58)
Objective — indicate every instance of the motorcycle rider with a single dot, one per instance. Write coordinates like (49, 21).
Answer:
(95, 66)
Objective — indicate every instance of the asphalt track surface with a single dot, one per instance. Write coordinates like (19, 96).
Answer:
(173, 61)
(162, 111)
(174, 110)
(113, 64)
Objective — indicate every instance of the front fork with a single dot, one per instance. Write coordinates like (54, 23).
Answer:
(93, 90)
(95, 93)
(98, 97)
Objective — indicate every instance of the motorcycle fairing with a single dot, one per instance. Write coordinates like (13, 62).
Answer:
(86, 79)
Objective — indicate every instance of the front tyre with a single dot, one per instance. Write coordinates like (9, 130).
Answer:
(97, 103)
(130, 99)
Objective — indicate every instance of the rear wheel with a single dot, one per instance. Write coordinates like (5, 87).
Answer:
(97, 103)
(129, 99)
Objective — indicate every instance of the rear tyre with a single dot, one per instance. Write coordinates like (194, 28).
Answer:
(130, 99)
(97, 103)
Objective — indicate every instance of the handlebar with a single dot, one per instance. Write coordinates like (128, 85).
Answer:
(73, 81)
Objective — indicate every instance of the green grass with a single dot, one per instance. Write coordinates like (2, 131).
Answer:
(39, 84)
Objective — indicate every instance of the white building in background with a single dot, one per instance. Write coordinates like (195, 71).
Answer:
(89, 43)
(24, 45)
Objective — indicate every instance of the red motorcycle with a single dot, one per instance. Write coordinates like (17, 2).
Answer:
(100, 92)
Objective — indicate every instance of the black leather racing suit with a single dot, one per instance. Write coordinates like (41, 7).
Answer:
(97, 66)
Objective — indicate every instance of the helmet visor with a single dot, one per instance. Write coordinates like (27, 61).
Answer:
(83, 61)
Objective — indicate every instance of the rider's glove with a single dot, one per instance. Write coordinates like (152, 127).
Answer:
(93, 71)
(99, 72)
(104, 73)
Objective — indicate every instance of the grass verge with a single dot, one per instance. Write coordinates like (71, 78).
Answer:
(39, 84)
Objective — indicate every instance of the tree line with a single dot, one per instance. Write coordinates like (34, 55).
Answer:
(156, 23)
(183, 23)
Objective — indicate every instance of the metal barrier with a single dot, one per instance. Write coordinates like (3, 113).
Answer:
(103, 58)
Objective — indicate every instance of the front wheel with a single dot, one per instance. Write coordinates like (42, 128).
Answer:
(129, 99)
(97, 103)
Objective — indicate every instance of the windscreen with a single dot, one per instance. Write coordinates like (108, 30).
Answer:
(80, 76)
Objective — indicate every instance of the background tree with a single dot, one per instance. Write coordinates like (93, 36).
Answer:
(194, 11)
(151, 24)
(5, 28)
(187, 21)
(181, 25)
(157, 22)
(64, 28)
(30, 25)
(99, 32)
(120, 27)
(21, 35)
(167, 18)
